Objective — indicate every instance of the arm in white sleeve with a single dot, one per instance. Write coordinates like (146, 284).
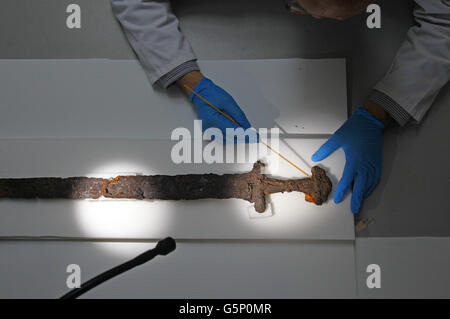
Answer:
(153, 32)
(421, 67)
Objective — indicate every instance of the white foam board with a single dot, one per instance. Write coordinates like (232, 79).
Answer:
(293, 218)
(113, 99)
(193, 270)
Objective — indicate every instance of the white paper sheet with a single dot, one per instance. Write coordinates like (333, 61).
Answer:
(113, 99)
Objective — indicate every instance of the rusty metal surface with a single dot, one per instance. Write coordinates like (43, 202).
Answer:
(252, 186)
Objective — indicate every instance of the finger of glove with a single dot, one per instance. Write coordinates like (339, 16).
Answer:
(370, 190)
(221, 100)
(231, 133)
(326, 149)
(372, 182)
(232, 109)
(345, 182)
(227, 127)
(359, 188)
(215, 119)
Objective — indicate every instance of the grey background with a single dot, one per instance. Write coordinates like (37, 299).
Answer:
(410, 267)
(411, 199)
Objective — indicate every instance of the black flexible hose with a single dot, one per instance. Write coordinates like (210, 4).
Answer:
(163, 247)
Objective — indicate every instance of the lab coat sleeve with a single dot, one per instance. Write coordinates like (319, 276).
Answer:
(421, 67)
(153, 32)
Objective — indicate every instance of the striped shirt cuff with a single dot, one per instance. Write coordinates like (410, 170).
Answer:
(169, 78)
(395, 110)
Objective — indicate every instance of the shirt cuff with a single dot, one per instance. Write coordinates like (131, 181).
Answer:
(169, 78)
(395, 110)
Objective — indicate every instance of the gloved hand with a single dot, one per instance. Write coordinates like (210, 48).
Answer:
(360, 137)
(223, 101)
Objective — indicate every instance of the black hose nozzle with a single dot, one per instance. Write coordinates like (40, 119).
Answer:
(163, 247)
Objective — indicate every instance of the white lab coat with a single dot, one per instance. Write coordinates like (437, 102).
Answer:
(420, 69)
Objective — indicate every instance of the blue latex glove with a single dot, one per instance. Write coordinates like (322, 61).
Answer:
(222, 100)
(360, 138)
